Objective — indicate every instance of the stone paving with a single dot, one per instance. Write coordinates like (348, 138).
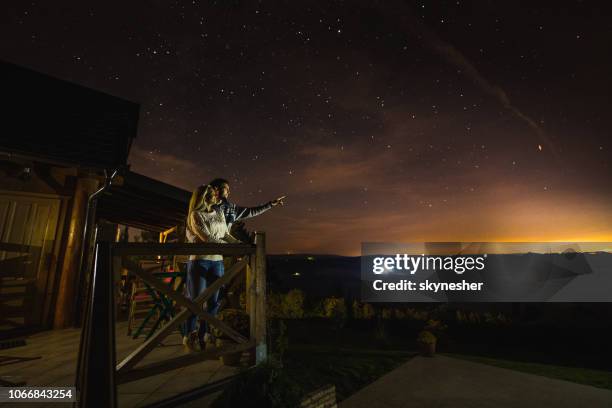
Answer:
(444, 382)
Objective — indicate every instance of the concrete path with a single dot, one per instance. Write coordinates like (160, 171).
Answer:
(448, 382)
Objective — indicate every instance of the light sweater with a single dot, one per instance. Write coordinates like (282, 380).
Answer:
(212, 227)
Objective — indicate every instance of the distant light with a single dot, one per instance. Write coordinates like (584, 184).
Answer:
(296, 274)
(311, 258)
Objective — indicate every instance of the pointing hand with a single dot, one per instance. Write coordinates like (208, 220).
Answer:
(278, 201)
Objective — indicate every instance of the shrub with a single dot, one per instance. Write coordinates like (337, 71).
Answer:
(286, 306)
(496, 319)
(292, 304)
(400, 313)
(368, 311)
(415, 314)
(362, 310)
(436, 327)
(334, 307)
(460, 316)
(426, 337)
(487, 318)
(274, 301)
(357, 313)
(316, 308)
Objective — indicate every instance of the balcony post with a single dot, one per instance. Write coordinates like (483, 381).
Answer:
(96, 365)
(261, 350)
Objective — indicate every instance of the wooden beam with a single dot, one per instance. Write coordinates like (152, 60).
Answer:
(233, 334)
(261, 350)
(180, 299)
(148, 277)
(233, 287)
(137, 355)
(96, 381)
(68, 290)
(151, 369)
(251, 295)
(175, 248)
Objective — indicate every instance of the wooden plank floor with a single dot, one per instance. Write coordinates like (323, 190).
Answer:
(58, 350)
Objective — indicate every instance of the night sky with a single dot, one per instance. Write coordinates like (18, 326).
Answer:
(381, 121)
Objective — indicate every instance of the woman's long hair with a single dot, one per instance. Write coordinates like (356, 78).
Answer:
(201, 198)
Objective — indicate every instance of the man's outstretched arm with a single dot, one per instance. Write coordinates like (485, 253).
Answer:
(249, 212)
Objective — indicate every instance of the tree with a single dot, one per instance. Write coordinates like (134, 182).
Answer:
(368, 311)
(334, 307)
(292, 306)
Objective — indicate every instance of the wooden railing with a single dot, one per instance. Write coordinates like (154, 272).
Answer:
(98, 374)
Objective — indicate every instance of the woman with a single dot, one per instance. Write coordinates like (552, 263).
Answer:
(205, 223)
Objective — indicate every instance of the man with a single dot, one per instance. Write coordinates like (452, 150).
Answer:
(233, 212)
(233, 215)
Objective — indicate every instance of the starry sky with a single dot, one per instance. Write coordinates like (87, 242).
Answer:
(394, 121)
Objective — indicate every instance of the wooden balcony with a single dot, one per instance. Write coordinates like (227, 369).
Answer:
(108, 367)
(50, 359)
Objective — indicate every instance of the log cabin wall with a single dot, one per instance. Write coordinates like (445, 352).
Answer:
(58, 139)
(36, 201)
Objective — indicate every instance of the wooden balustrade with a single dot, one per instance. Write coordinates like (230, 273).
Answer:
(98, 373)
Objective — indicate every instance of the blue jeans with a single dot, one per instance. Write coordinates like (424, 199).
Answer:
(201, 273)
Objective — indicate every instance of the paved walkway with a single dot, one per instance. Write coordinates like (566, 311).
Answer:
(448, 382)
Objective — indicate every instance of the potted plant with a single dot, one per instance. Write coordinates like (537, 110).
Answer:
(238, 320)
(427, 343)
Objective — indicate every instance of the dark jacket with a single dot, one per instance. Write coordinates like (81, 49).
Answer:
(235, 213)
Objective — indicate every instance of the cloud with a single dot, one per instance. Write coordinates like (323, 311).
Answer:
(340, 169)
(167, 167)
(491, 215)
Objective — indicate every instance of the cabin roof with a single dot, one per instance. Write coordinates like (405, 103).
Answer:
(55, 121)
(145, 203)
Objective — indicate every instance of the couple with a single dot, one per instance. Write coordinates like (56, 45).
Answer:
(210, 219)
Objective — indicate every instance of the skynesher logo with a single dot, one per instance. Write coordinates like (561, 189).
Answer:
(409, 263)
